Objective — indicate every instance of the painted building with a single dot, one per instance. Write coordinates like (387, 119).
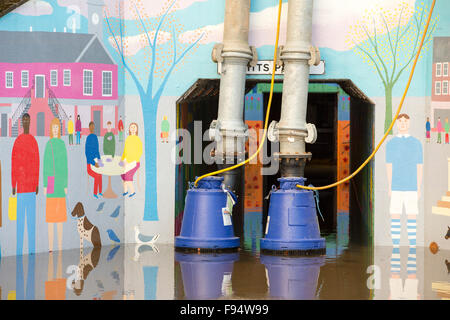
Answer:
(72, 75)
(440, 96)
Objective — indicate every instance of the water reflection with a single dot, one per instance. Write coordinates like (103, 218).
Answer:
(206, 276)
(293, 278)
(24, 291)
(138, 272)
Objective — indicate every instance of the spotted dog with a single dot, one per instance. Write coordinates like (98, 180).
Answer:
(85, 228)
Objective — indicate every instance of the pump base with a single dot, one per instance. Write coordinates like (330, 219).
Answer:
(207, 224)
(299, 247)
(292, 225)
(203, 245)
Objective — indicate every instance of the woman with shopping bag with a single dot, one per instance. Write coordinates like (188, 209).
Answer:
(55, 183)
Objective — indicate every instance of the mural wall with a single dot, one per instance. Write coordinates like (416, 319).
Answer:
(88, 93)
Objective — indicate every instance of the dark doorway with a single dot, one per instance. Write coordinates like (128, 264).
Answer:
(40, 119)
(40, 86)
(97, 121)
(4, 124)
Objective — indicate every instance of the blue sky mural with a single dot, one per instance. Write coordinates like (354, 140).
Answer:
(209, 13)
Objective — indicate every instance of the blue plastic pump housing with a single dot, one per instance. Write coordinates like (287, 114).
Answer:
(292, 224)
(206, 222)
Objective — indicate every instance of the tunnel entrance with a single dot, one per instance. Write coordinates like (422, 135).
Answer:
(344, 119)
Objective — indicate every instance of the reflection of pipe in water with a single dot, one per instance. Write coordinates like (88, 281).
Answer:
(292, 277)
(206, 276)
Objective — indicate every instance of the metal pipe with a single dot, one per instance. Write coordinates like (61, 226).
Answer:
(296, 56)
(233, 56)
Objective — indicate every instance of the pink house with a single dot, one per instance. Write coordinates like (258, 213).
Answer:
(56, 74)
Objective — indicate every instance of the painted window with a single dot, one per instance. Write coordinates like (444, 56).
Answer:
(87, 82)
(444, 87)
(107, 83)
(438, 69)
(437, 88)
(53, 78)
(25, 78)
(445, 70)
(9, 79)
(67, 77)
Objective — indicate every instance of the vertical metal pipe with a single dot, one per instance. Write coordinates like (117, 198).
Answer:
(229, 130)
(292, 128)
(234, 56)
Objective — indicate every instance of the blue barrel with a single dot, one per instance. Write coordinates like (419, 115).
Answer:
(205, 274)
(292, 278)
(292, 223)
(204, 224)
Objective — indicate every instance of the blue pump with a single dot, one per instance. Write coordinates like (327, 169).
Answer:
(292, 223)
(207, 222)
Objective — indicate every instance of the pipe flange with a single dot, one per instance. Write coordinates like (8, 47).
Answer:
(214, 131)
(295, 156)
(272, 132)
(254, 60)
(315, 56)
(279, 60)
(312, 133)
(216, 54)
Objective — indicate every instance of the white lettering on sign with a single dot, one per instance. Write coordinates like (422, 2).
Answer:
(266, 67)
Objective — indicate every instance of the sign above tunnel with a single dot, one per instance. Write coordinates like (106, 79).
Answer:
(266, 67)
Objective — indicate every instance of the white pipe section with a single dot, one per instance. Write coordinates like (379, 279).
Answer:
(295, 55)
(235, 56)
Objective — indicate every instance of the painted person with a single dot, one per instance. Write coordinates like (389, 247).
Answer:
(446, 129)
(131, 156)
(55, 287)
(404, 163)
(55, 165)
(70, 130)
(428, 129)
(165, 130)
(439, 130)
(25, 181)
(78, 129)
(93, 159)
(120, 127)
(109, 141)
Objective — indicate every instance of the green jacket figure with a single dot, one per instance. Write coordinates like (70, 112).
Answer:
(109, 142)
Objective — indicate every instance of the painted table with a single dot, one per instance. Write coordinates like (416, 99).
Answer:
(110, 168)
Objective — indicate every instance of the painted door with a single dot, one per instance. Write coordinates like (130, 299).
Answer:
(40, 124)
(97, 121)
(39, 86)
(4, 125)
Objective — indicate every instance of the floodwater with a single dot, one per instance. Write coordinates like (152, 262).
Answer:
(136, 272)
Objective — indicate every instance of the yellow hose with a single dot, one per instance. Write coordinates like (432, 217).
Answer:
(270, 104)
(267, 113)
(393, 120)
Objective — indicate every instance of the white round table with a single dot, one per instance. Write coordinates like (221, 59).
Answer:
(110, 168)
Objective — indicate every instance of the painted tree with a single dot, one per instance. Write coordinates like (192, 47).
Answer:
(150, 53)
(388, 41)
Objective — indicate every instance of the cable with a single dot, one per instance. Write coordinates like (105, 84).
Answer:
(267, 112)
(393, 120)
(270, 104)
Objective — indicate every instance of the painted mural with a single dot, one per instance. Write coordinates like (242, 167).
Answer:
(106, 74)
